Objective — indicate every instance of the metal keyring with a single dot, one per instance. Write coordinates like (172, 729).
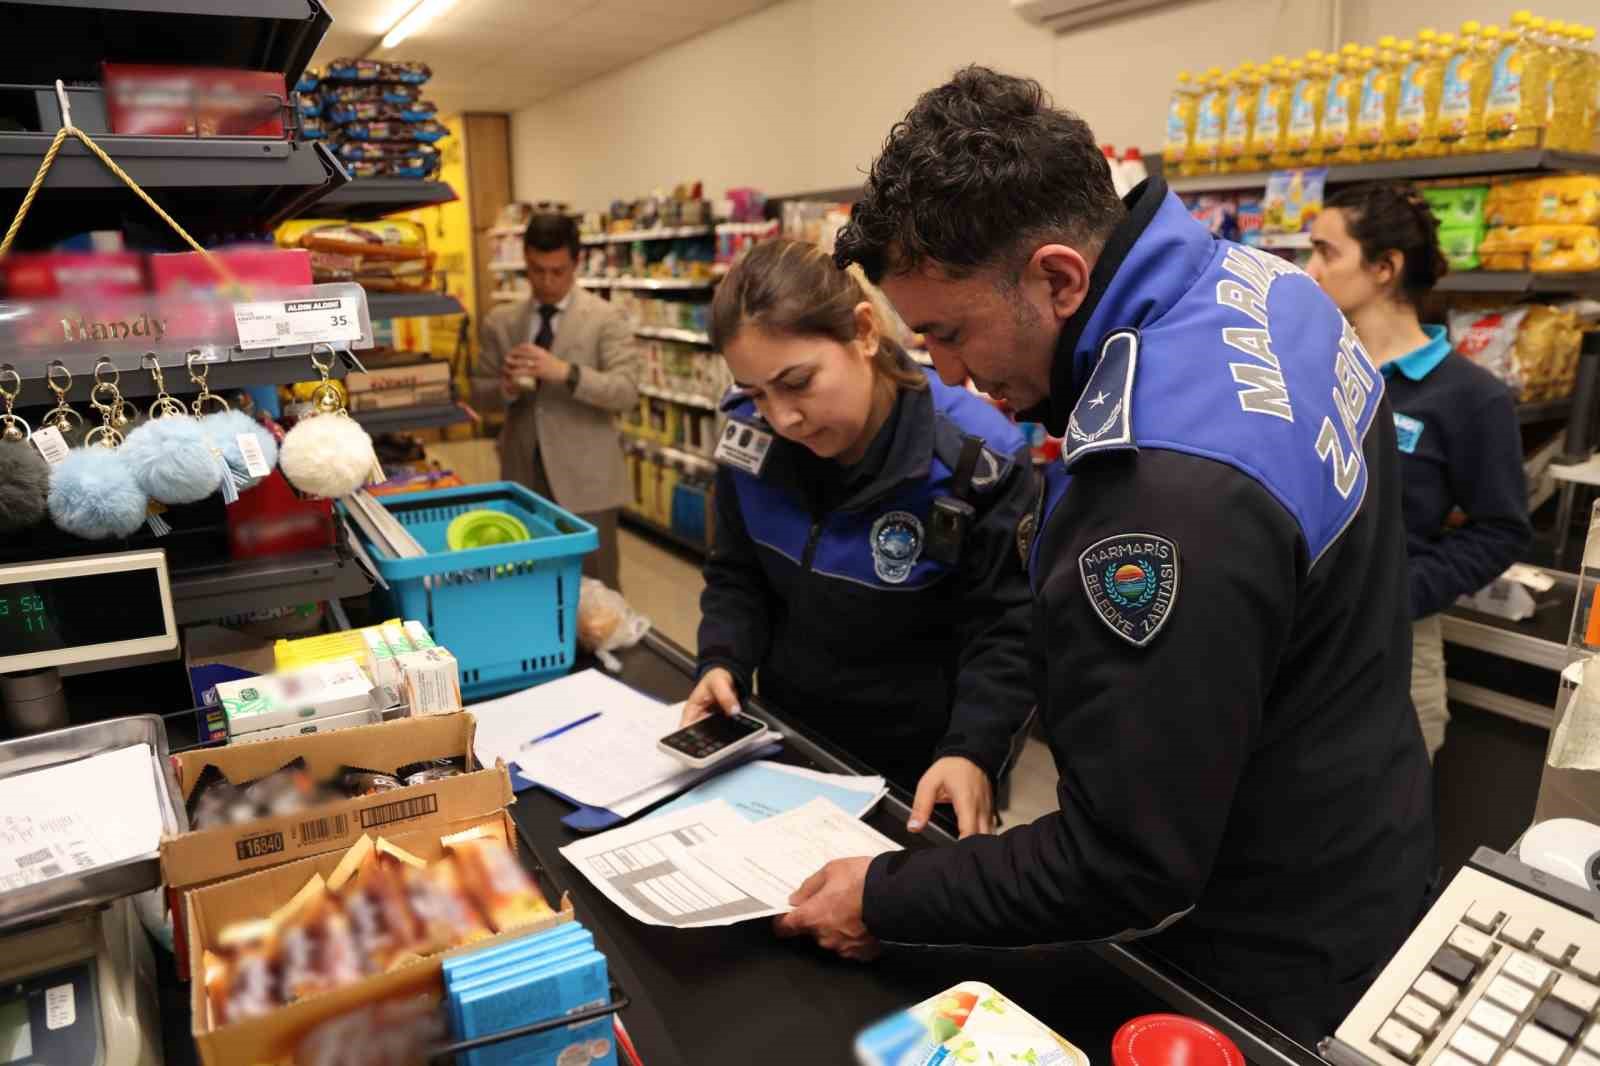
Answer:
(200, 377)
(163, 406)
(103, 437)
(105, 363)
(10, 395)
(50, 379)
(333, 357)
(105, 406)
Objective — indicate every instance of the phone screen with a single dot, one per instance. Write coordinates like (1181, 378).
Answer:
(710, 735)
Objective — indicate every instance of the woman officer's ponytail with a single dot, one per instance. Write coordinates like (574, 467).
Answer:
(791, 287)
(1386, 218)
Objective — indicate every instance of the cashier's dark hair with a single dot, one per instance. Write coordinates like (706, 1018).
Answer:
(550, 232)
(792, 288)
(981, 171)
(1384, 218)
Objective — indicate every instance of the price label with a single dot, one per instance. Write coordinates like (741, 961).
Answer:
(255, 461)
(60, 1007)
(51, 444)
(271, 323)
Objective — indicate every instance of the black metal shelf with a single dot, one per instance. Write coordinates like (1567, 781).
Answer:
(400, 419)
(227, 181)
(650, 525)
(1544, 411)
(384, 305)
(68, 39)
(1518, 281)
(1450, 166)
(133, 384)
(245, 586)
(370, 198)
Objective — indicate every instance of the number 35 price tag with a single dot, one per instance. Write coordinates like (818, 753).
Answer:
(271, 323)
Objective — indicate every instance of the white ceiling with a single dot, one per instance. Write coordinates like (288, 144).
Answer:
(501, 55)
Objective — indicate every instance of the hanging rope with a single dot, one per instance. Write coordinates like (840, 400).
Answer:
(69, 130)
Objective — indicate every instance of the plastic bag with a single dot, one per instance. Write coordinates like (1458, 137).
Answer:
(1489, 338)
(606, 623)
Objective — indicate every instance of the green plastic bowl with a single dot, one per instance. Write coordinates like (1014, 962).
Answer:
(485, 529)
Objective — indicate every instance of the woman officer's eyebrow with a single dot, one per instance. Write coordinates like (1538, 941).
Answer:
(776, 378)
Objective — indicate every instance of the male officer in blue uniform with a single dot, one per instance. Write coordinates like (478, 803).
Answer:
(1218, 568)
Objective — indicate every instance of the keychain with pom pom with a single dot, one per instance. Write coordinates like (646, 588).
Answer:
(327, 453)
(171, 456)
(24, 475)
(62, 418)
(231, 432)
(93, 493)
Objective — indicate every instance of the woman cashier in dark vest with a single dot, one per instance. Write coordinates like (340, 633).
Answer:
(1375, 251)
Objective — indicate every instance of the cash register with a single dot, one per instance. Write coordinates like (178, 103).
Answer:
(76, 974)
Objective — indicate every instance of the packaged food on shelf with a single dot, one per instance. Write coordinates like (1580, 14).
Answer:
(1533, 349)
(151, 100)
(1459, 245)
(1293, 199)
(1458, 207)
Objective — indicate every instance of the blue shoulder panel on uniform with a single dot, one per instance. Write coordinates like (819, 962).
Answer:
(1103, 418)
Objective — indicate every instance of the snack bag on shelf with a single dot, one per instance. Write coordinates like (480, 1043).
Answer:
(1559, 249)
(1570, 200)
(1546, 354)
(1489, 338)
(1507, 248)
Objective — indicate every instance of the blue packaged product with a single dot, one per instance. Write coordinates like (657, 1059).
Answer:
(549, 992)
(496, 976)
(488, 958)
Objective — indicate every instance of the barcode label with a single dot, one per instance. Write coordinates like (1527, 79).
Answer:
(52, 870)
(83, 861)
(399, 811)
(319, 829)
(51, 444)
(34, 857)
(282, 328)
(255, 460)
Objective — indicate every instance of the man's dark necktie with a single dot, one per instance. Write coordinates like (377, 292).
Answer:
(547, 334)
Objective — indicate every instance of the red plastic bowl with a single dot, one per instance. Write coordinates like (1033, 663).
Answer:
(1172, 1040)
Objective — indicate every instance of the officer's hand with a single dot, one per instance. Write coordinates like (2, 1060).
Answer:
(960, 782)
(715, 692)
(828, 908)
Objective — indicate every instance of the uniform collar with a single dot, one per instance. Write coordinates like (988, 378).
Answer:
(1146, 266)
(1418, 364)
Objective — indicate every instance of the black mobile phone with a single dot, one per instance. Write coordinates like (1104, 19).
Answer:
(712, 739)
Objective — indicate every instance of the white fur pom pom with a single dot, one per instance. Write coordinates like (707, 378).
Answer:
(327, 455)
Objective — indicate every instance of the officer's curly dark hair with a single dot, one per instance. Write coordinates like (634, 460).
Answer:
(981, 171)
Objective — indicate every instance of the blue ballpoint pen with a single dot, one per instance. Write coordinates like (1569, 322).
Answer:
(556, 732)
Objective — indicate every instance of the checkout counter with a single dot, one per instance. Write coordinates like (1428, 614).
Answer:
(738, 994)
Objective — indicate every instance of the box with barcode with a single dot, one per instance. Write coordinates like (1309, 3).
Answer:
(203, 856)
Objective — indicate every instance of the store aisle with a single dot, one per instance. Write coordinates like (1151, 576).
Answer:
(665, 585)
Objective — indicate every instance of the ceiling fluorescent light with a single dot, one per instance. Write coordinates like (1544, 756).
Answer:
(415, 20)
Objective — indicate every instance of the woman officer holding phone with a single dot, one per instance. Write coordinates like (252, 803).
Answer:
(869, 523)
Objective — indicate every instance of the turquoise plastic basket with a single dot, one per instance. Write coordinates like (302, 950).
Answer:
(509, 613)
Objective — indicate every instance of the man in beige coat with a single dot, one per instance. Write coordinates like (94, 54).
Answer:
(565, 364)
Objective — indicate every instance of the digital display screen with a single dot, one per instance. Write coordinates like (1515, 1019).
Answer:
(719, 731)
(16, 1036)
(69, 612)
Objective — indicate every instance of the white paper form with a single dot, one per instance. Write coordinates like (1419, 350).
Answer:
(647, 870)
(78, 815)
(771, 858)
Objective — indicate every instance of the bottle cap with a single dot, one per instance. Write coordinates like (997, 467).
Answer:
(1447, 39)
(1314, 56)
(1172, 1040)
(1536, 23)
(1369, 52)
(1213, 72)
(1351, 49)
(1131, 154)
(1387, 41)
(1426, 34)
(1470, 26)
(1521, 17)
(1406, 45)
(1297, 65)
(1490, 32)
(1279, 59)
(1184, 76)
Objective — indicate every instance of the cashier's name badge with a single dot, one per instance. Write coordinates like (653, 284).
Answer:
(322, 320)
(744, 447)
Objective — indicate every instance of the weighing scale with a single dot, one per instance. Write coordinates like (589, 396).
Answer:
(77, 979)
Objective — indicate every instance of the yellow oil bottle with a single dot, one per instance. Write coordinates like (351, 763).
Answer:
(1310, 95)
(1272, 114)
(1515, 112)
(1410, 112)
(1455, 99)
(1568, 85)
(1431, 76)
(1238, 134)
(1343, 107)
(1372, 119)
(1591, 120)
(1209, 119)
(1180, 123)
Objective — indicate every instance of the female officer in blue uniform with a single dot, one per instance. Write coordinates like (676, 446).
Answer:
(866, 563)
(1375, 251)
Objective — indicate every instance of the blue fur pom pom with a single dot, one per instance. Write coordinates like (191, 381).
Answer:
(172, 461)
(93, 495)
(226, 427)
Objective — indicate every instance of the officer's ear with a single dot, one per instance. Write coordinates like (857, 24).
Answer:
(1059, 275)
(868, 330)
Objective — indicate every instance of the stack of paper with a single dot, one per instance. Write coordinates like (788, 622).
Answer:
(611, 763)
(706, 865)
(381, 527)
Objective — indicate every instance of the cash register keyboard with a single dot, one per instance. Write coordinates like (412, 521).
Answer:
(1493, 976)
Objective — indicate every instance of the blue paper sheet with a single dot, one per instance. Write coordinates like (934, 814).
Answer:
(759, 790)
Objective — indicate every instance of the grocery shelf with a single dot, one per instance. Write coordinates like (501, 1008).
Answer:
(384, 305)
(687, 399)
(659, 234)
(645, 283)
(1518, 281)
(508, 265)
(222, 377)
(1450, 166)
(275, 35)
(422, 416)
(245, 586)
(370, 198)
(667, 333)
(1544, 411)
(1285, 241)
(237, 181)
(645, 522)
(507, 297)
